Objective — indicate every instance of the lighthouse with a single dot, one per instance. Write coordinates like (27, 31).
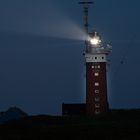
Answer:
(96, 74)
(96, 57)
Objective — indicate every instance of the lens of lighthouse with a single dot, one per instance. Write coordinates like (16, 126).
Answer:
(94, 39)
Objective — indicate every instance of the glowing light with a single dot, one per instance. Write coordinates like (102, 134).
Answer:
(95, 41)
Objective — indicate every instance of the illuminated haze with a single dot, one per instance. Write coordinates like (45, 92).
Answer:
(40, 18)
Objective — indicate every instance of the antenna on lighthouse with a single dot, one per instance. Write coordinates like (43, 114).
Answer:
(86, 4)
(86, 11)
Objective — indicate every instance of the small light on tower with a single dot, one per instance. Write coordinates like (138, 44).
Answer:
(94, 39)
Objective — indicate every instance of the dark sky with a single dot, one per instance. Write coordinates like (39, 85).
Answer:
(41, 45)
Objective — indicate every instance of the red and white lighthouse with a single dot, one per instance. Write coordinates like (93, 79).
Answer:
(96, 75)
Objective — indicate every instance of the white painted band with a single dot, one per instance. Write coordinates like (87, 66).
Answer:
(95, 58)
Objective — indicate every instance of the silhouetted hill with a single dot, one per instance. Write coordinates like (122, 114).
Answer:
(117, 125)
(12, 113)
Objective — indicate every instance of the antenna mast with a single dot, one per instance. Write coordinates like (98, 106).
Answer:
(86, 4)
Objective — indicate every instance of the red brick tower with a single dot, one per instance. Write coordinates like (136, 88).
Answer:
(96, 79)
(96, 59)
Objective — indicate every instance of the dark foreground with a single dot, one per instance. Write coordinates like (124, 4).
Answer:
(117, 125)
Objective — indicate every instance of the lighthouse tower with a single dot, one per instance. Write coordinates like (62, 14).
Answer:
(96, 75)
(96, 53)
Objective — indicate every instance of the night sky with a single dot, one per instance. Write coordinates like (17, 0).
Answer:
(41, 46)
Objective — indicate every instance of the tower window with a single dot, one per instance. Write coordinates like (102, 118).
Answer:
(96, 91)
(102, 57)
(97, 105)
(96, 84)
(97, 111)
(99, 66)
(96, 66)
(95, 57)
(96, 74)
(97, 99)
